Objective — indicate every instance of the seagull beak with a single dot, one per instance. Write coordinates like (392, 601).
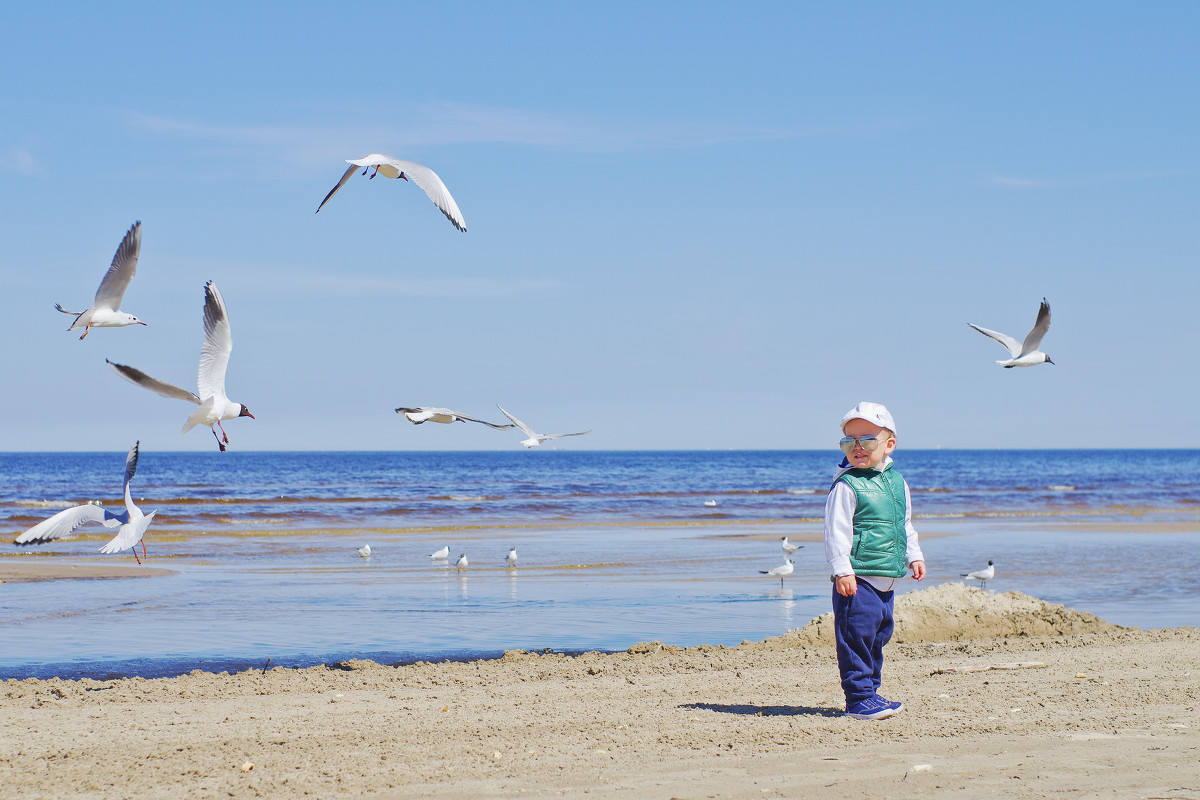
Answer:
(140, 322)
(402, 175)
(1048, 361)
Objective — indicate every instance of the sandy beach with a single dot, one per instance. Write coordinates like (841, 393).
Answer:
(1004, 696)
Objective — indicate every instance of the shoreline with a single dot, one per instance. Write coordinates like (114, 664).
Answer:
(1089, 708)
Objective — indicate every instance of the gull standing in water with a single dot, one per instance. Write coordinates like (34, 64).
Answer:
(1024, 354)
(441, 554)
(424, 177)
(432, 414)
(788, 547)
(535, 438)
(782, 570)
(981, 575)
(462, 560)
(106, 307)
(132, 522)
(214, 405)
(365, 551)
(511, 558)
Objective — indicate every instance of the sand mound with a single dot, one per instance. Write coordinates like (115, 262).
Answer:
(954, 611)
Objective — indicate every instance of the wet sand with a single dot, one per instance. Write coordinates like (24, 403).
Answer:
(1004, 696)
(26, 570)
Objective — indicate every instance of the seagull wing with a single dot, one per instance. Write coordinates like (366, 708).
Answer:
(140, 378)
(466, 418)
(528, 430)
(124, 265)
(218, 343)
(340, 184)
(428, 180)
(1034, 340)
(561, 435)
(130, 470)
(1011, 344)
(64, 523)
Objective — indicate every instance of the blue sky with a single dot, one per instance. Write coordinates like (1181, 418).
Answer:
(689, 226)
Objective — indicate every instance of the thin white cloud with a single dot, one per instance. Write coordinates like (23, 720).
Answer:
(439, 124)
(19, 160)
(1013, 182)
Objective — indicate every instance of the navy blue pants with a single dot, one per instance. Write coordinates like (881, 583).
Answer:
(862, 625)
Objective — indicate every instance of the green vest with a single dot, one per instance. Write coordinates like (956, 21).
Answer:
(880, 541)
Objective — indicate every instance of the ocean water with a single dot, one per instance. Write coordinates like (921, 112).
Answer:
(614, 548)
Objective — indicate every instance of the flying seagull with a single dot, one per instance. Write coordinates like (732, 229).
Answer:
(981, 575)
(535, 438)
(1024, 354)
(106, 308)
(214, 405)
(783, 569)
(430, 414)
(424, 177)
(131, 523)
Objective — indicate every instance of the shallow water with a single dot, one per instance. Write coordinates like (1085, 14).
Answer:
(614, 549)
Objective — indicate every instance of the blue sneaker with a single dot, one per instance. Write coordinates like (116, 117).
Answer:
(894, 705)
(874, 707)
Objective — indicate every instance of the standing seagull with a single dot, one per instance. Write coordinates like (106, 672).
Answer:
(133, 523)
(441, 555)
(981, 575)
(1024, 354)
(365, 551)
(535, 438)
(783, 569)
(462, 560)
(106, 308)
(430, 414)
(511, 558)
(788, 547)
(213, 404)
(424, 177)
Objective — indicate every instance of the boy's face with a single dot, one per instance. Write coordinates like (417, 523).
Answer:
(859, 457)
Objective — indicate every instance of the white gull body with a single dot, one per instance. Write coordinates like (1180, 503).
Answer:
(981, 575)
(788, 547)
(781, 571)
(1024, 354)
(536, 438)
(106, 307)
(511, 558)
(424, 177)
(212, 403)
(131, 523)
(441, 554)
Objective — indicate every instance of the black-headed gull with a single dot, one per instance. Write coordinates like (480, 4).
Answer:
(535, 438)
(106, 308)
(1024, 354)
(440, 554)
(133, 523)
(424, 177)
(462, 560)
(511, 558)
(788, 547)
(432, 414)
(214, 405)
(981, 575)
(365, 551)
(782, 570)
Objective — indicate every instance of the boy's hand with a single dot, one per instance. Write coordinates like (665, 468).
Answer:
(846, 585)
(918, 569)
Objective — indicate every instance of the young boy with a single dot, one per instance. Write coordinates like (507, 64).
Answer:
(869, 540)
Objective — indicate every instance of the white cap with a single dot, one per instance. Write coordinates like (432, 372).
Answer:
(874, 413)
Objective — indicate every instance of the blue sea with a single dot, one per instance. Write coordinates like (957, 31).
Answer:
(614, 548)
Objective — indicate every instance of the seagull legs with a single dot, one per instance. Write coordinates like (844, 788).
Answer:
(223, 434)
(220, 444)
(373, 174)
(86, 328)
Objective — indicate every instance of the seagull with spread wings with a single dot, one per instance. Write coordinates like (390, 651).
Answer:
(106, 307)
(535, 438)
(131, 523)
(213, 403)
(424, 177)
(432, 414)
(1026, 354)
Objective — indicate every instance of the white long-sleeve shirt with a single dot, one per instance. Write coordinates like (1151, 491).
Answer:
(839, 533)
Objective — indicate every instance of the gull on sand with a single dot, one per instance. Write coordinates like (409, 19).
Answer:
(131, 523)
(535, 438)
(214, 405)
(433, 414)
(783, 569)
(106, 307)
(1024, 354)
(424, 177)
(981, 575)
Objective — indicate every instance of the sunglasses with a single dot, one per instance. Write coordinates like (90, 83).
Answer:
(869, 443)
